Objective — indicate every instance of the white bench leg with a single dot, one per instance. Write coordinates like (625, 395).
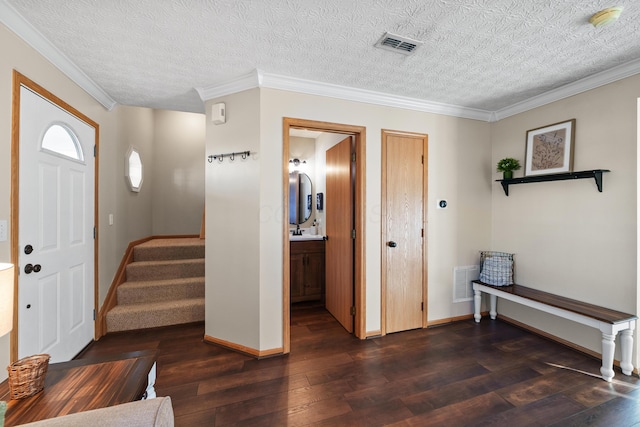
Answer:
(608, 348)
(493, 312)
(477, 303)
(626, 349)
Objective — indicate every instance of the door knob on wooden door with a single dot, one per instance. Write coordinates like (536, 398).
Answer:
(392, 244)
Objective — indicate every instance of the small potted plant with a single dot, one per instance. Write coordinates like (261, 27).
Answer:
(507, 166)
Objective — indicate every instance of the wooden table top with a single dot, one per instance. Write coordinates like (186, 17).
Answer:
(81, 385)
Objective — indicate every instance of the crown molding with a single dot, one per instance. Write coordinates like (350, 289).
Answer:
(16, 23)
(231, 86)
(371, 97)
(594, 81)
(259, 79)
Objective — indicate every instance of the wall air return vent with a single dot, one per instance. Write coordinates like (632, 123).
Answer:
(462, 278)
(398, 44)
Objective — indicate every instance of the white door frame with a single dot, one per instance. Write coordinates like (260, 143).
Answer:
(18, 81)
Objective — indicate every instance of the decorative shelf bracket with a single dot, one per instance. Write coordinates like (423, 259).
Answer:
(596, 174)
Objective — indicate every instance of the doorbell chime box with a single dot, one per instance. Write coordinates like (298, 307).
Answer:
(218, 113)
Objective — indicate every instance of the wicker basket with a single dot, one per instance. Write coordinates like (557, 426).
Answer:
(26, 376)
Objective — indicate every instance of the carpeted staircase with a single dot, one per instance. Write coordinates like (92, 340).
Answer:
(164, 286)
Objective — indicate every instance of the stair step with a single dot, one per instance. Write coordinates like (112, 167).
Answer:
(159, 270)
(153, 315)
(168, 249)
(160, 290)
(165, 286)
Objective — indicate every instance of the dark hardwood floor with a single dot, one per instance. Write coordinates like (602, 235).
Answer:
(461, 374)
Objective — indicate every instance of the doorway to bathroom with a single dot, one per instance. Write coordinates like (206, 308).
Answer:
(323, 181)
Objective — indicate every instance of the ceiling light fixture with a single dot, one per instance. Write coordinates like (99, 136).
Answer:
(606, 16)
(296, 164)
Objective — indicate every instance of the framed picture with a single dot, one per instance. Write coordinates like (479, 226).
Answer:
(550, 149)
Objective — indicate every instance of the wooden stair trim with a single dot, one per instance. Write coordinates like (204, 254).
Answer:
(111, 300)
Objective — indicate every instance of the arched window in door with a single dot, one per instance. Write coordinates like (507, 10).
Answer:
(60, 140)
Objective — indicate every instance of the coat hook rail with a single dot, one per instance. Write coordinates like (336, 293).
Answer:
(230, 156)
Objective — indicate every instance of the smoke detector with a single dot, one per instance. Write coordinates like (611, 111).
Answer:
(398, 44)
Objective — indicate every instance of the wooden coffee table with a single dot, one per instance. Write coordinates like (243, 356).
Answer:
(84, 384)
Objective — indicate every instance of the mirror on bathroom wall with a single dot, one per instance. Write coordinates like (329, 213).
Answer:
(300, 197)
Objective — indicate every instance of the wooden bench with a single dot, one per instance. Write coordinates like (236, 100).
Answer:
(609, 322)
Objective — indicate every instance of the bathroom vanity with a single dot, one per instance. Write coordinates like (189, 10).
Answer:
(307, 269)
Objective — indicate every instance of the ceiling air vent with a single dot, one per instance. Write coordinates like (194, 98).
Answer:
(399, 44)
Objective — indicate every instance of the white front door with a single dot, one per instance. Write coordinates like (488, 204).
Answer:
(56, 230)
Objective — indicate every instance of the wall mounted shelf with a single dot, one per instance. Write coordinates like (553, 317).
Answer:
(596, 174)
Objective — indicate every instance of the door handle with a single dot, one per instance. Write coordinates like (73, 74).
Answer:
(392, 244)
(32, 268)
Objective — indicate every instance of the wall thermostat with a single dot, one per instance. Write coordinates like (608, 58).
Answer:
(442, 204)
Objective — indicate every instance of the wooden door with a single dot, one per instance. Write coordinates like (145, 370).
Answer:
(403, 226)
(339, 225)
(56, 230)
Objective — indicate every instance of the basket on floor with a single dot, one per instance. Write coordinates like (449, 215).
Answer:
(26, 376)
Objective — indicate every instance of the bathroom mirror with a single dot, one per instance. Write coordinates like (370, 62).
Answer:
(300, 197)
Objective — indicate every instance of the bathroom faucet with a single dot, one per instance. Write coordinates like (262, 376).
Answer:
(297, 232)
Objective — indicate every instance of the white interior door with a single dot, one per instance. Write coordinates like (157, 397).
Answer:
(56, 230)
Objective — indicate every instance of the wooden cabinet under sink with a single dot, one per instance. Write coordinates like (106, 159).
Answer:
(307, 270)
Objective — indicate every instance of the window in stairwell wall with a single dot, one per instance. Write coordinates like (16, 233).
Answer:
(134, 170)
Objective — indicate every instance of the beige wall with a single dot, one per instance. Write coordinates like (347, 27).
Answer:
(178, 172)
(568, 238)
(132, 216)
(234, 225)
(171, 199)
(459, 170)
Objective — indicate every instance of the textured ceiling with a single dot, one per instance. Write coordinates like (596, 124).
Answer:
(484, 54)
